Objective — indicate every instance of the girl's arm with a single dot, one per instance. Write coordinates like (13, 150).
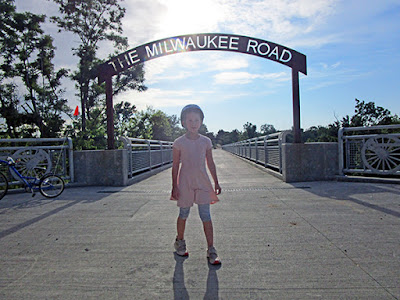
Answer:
(213, 171)
(176, 157)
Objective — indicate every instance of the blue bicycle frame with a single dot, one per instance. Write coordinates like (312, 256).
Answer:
(29, 182)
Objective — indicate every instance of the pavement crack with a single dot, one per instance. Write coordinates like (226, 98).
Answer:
(24, 274)
(137, 210)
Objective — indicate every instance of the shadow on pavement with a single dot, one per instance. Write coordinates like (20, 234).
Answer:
(180, 291)
(212, 283)
(178, 282)
(70, 197)
(349, 190)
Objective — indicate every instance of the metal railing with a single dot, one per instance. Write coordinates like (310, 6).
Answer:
(265, 150)
(369, 150)
(39, 156)
(145, 154)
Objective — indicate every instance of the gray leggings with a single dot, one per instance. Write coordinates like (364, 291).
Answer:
(204, 212)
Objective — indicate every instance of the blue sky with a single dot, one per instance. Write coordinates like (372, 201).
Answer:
(352, 49)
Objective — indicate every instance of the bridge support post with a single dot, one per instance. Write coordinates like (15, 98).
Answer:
(296, 106)
(110, 114)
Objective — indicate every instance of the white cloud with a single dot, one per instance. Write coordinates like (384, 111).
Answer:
(326, 66)
(158, 98)
(149, 20)
(176, 76)
(142, 20)
(282, 20)
(156, 69)
(233, 63)
(190, 16)
(235, 78)
(185, 65)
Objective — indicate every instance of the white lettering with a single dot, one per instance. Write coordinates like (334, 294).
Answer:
(252, 44)
(175, 46)
(114, 66)
(259, 49)
(223, 41)
(190, 43)
(283, 54)
(166, 48)
(234, 45)
(151, 53)
(132, 56)
(205, 42)
(274, 52)
(211, 41)
(159, 46)
(122, 60)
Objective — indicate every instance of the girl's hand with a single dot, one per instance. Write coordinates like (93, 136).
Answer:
(217, 189)
(175, 193)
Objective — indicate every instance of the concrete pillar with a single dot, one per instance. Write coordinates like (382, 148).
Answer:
(101, 167)
(309, 162)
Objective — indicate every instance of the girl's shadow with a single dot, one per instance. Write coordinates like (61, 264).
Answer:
(212, 283)
(180, 291)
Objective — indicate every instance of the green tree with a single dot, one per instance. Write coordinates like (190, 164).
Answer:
(27, 57)
(7, 29)
(267, 129)
(94, 136)
(94, 21)
(322, 133)
(368, 114)
(9, 110)
(176, 129)
(250, 130)
(234, 136)
(222, 137)
(160, 125)
(123, 113)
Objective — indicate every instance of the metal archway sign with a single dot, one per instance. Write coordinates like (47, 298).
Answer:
(203, 42)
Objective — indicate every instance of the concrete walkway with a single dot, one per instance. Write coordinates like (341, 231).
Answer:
(318, 240)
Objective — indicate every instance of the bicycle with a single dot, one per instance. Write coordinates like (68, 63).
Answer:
(50, 185)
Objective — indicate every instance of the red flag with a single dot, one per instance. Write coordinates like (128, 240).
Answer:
(76, 113)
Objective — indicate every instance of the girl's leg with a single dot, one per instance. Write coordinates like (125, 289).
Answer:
(180, 226)
(204, 211)
(181, 222)
(208, 231)
(205, 216)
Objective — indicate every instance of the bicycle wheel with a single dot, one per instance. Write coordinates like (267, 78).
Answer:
(51, 186)
(3, 185)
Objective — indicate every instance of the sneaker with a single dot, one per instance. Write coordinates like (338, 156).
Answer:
(213, 256)
(180, 247)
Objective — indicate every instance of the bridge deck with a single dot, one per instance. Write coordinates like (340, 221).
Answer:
(318, 240)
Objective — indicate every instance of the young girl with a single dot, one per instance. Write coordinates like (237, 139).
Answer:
(190, 182)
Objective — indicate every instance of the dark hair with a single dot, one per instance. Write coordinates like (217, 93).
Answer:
(191, 108)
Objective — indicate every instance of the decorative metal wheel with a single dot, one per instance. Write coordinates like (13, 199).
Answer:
(32, 162)
(381, 154)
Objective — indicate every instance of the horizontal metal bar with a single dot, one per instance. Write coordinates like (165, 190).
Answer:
(36, 147)
(365, 136)
(36, 140)
(379, 127)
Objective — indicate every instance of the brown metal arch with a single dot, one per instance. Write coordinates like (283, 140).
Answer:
(204, 42)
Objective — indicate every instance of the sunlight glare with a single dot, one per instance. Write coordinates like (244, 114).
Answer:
(190, 16)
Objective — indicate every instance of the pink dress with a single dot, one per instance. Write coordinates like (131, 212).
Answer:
(193, 181)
